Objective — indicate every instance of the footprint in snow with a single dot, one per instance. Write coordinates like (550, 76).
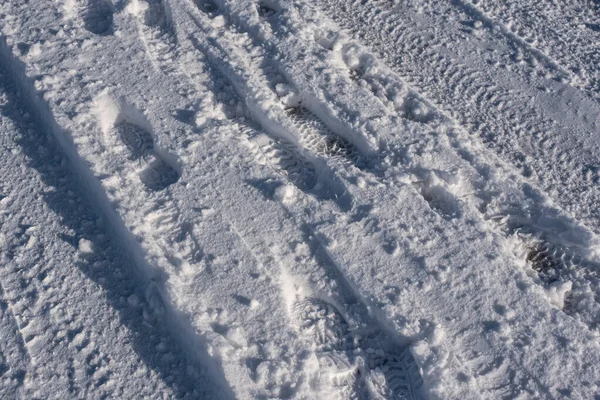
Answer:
(346, 369)
(319, 139)
(156, 173)
(285, 159)
(98, 17)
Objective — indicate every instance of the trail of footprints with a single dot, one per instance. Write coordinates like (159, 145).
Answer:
(315, 136)
(155, 173)
(320, 320)
(352, 365)
(347, 361)
(353, 370)
(552, 262)
(295, 162)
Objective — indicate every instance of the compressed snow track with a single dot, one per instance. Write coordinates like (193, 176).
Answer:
(75, 317)
(247, 199)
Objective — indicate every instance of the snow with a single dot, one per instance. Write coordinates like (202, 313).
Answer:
(293, 199)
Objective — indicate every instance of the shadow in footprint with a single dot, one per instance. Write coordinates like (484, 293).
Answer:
(156, 174)
(184, 116)
(158, 15)
(98, 17)
(594, 27)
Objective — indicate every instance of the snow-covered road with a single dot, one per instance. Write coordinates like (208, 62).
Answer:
(294, 199)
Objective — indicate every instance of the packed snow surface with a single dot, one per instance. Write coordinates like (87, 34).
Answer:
(295, 199)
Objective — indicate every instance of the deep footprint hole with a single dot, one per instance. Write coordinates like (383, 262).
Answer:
(265, 11)
(208, 7)
(98, 17)
(158, 175)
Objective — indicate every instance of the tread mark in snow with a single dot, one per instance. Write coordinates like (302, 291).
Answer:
(98, 17)
(440, 199)
(158, 35)
(551, 261)
(323, 323)
(157, 174)
(319, 139)
(565, 274)
(283, 158)
(328, 334)
(521, 43)
(397, 377)
(138, 141)
(345, 363)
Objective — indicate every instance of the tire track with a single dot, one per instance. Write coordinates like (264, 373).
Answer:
(547, 28)
(546, 249)
(476, 13)
(435, 192)
(438, 192)
(525, 136)
(543, 248)
(156, 31)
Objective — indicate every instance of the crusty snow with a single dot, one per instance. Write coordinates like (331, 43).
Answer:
(295, 199)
